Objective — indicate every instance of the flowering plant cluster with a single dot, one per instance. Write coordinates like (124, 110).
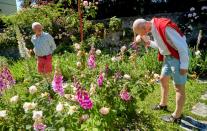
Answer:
(198, 62)
(191, 18)
(101, 94)
(84, 99)
(192, 15)
(57, 83)
(89, 8)
(6, 79)
(92, 58)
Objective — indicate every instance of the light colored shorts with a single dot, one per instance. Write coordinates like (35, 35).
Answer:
(171, 67)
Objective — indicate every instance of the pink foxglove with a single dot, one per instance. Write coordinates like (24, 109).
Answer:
(57, 84)
(6, 79)
(100, 79)
(84, 99)
(92, 61)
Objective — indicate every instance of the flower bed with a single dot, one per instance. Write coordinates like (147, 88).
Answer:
(81, 96)
(87, 93)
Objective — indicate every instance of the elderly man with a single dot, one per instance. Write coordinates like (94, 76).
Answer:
(44, 45)
(173, 50)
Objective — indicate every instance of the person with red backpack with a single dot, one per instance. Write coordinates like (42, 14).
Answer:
(174, 52)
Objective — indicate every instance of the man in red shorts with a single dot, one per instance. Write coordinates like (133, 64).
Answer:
(44, 45)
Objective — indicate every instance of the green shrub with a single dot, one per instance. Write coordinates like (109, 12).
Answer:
(115, 24)
(59, 22)
(198, 64)
(150, 62)
(3, 61)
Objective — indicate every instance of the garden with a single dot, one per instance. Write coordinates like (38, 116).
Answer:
(97, 85)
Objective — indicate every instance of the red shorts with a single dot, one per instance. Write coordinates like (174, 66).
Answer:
(44, 64)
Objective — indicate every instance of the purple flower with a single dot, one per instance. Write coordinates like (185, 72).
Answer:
(6, 79)
(57, 84)
(2, 84)
(82, 96)
(92, 61)
(100, 80)
(9, 76)
(84, 99)
(39, 127)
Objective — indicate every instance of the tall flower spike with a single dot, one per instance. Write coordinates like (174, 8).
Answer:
(92, 61)
(24, 52)
(82, 96)
(6, 79)
(8, 76)
(84, 99)
(3, 84)
(100, 80)
(92, 58)
(57, 83)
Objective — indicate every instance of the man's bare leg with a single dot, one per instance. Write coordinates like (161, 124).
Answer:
(180, 100)
(164, 80)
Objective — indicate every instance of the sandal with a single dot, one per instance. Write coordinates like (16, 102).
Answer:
(159, 107)
(172, 119)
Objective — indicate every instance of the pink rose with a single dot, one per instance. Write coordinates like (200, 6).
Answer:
(125, 95)
(85, 3)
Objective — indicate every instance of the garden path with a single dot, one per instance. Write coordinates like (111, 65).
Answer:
(199, 109)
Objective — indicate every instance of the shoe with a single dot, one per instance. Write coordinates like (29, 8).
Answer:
(159, 107)
(171, 119)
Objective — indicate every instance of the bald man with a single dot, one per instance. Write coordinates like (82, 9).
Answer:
(44, 45)
(173, 51)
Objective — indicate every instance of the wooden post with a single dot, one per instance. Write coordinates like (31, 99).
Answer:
(80, 20)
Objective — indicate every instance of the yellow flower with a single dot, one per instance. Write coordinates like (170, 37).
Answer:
(45, 94)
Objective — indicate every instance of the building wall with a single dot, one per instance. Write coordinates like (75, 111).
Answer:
(8, 6)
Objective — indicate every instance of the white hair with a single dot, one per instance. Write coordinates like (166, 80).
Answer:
(35, 24)
(139, 23)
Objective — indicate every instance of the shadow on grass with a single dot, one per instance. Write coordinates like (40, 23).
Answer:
(189, 123)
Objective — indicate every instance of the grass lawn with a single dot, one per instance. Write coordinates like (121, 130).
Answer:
(194, 91)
